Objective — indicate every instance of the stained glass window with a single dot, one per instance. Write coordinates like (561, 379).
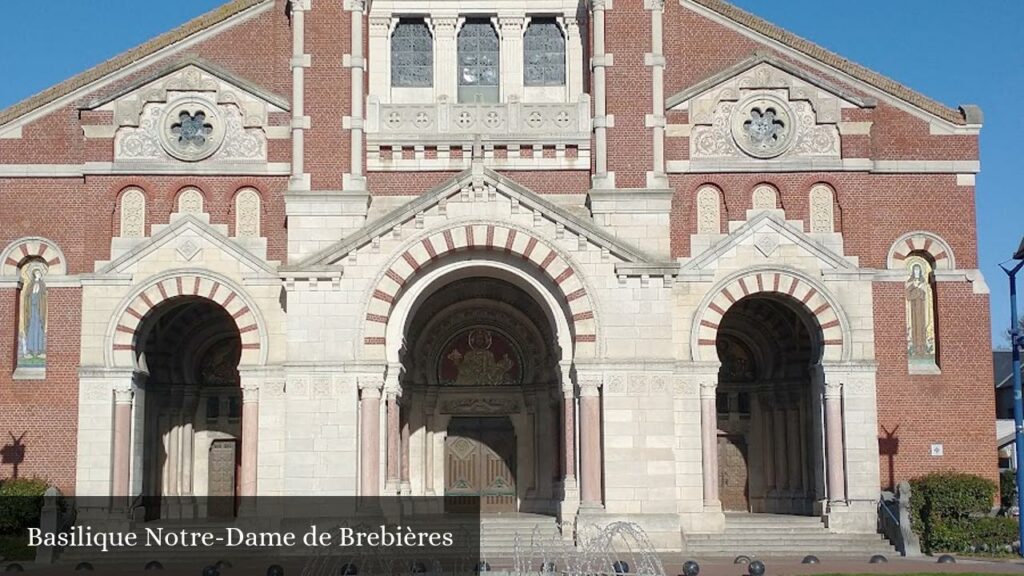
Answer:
(412, 55)
(479, 57)
(543, 54)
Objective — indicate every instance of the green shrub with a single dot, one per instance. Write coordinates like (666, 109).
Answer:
(21, 501)
(1007, 488)
(993, 533)
(945, 506)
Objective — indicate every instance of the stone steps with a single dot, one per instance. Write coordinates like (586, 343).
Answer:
(778, 535)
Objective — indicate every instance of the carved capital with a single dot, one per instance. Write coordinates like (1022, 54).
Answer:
(832, 390)
(370, 386)
(598, 4)
(123, 394)
(392, 381)
(590, 383)
(511, 25)
(250, 391)
(656, 4)
(708, 388)
(444, 26)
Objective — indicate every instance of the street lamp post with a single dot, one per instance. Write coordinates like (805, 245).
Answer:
(1016, 343)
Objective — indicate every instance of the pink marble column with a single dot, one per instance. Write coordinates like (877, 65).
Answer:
(394, 445)
(590, 445)
(406, 485)
(709, 444)
(569, 434)
(834, 436)
(250, 438)
(369, 437)
(122, 457)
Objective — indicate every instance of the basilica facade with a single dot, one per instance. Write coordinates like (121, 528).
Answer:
(589, 260)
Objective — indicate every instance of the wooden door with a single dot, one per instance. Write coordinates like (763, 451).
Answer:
(732, 473)
(479, 463)
(222, 474)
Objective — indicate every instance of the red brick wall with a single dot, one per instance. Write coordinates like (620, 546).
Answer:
(42, 415)
(955, 408)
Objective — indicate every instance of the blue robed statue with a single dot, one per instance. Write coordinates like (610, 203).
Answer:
(33, 317)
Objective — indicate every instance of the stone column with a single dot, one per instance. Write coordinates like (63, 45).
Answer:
(709, 444)
(369, 435)
(120, 482)
(188, 412)
(405, 487)
(574, 54)
(393, 477)
(656, 121)
(378, 41)
(779, 440)
(428, 459)
(445, 58)
(793, 455)
(834, 437)
(356, 180)
(300, 122)
(511, 32)
(250, 437)
(600, 61)
(590, 441)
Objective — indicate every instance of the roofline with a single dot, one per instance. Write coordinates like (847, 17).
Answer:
(763, 57)
(883, 83)
(127, 58)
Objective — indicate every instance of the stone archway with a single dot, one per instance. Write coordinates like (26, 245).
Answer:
(768, 434)
(188, 351)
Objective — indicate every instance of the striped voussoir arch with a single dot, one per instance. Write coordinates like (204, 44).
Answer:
(481, 237)
(770, 282)
(928, 243)
(20, 250)
(185, 285)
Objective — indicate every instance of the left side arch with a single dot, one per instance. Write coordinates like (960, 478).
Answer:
(32, 247)
(920, 241)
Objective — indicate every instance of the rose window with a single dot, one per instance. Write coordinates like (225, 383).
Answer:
(763, 126)
(192, 129)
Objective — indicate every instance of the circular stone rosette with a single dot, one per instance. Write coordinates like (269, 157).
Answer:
(192, 129)
(763, 126)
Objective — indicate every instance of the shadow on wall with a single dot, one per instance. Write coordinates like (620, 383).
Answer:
(889, 446)
(13, 453)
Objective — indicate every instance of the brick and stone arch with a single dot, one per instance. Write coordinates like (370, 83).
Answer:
(822, 209)
(765, 197)
(797, 288)
(709, 210)
(122, 335)
(133, 213)
(247, 213)
(513, 250)
(33, 248)
(190, 201)
(921, 242)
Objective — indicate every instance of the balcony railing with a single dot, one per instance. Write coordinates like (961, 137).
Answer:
(507, 123)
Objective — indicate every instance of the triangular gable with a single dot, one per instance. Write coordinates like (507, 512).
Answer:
(480, 176)
(966, 115)
(183, 223)
(132, 58)
(767, 221)
(237, 82)
(680, 99)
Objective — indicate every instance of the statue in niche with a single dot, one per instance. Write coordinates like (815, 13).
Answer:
(33, 317)
(474, 360)
(920, 310)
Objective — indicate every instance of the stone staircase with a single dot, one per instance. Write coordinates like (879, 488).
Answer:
(781, 535)
(498, 534)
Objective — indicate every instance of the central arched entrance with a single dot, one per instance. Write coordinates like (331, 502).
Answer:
(768, 414)
(481, 398)
(188, 353)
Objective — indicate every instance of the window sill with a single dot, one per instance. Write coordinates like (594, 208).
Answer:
(29, 374)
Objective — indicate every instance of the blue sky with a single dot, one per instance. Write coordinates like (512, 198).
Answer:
(956, 52)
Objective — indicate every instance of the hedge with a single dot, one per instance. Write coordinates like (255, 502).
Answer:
(21, 502)
(950, 512)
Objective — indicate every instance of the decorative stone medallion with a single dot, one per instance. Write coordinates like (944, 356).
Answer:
(192, 129)
(766, 243)
(763, 126)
